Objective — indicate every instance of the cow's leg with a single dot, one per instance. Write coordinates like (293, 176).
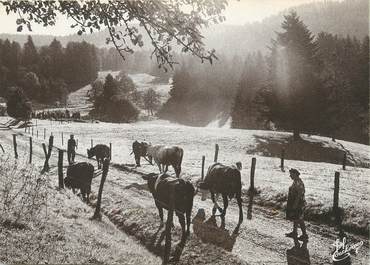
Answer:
(182, 223)
(177, 170)
(159, 167)
(188, 217)
(88, 197)
(239, 200)
(166, 168)
(137, 159)
(73, 190)
(215, 204)
(83, 194)
(160, 210)
(226, 203)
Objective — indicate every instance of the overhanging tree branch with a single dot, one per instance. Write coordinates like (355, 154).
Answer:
(167, 23)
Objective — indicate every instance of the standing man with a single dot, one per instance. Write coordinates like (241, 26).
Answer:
(295, 205)
(71, 150)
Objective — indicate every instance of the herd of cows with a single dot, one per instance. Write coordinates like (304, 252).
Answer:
(168, 191)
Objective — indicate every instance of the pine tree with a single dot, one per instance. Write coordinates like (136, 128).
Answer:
(30, 58)
(296, 101)
(55, 53)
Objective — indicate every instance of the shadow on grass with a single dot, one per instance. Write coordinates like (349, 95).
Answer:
(298, 150)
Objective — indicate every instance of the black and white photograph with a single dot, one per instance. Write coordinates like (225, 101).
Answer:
(188, 132)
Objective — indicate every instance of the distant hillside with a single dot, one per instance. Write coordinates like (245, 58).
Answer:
(349, 17)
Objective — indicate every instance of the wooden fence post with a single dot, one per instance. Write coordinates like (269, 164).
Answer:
(167, 246)
(30, 149)
(60, 169)
(37, 134)
(76, 143)
(110, 151)
(203, 162)
(282, 160)
(32, 130)
(97, 214)
(47, 153)
(336, 196)
(344, 160)
(92, 143)
(62, 139)
(15, 146)
(216, 153)
(44, 133)
(253, 168)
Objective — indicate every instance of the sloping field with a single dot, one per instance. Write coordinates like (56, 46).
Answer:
(241, 145)
(129, 205)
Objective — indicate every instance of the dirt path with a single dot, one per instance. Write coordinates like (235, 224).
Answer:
(259, 241)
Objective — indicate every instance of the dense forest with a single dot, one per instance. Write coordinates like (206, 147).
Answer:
(306, 83)
(46, 74)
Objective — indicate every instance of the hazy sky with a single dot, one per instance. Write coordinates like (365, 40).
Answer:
(237, 13)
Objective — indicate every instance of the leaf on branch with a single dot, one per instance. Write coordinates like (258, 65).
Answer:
(19, 28)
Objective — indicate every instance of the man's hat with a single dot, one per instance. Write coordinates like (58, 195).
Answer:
(294, 171)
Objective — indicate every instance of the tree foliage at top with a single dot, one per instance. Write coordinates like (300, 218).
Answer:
(166, 23)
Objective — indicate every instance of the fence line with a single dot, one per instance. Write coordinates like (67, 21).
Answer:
(253, 167)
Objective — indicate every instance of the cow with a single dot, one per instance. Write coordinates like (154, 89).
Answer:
(139, 150)
(79, 176)
(224, 180)
(160, 187)
(100, 151)
(164, 156)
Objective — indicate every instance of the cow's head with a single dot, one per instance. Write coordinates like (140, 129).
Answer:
(145, 152)
(151, 178)
(203, 188)
(90, 153)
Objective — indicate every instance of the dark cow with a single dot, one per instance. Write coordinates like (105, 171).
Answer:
(79, 176)
(139, 150)
(100, 151)
(159, 186)
(224, 180)
(165, 156)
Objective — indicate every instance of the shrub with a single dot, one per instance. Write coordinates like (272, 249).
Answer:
(18, 106)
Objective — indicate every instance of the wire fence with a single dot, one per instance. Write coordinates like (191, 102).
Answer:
(41, 133)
